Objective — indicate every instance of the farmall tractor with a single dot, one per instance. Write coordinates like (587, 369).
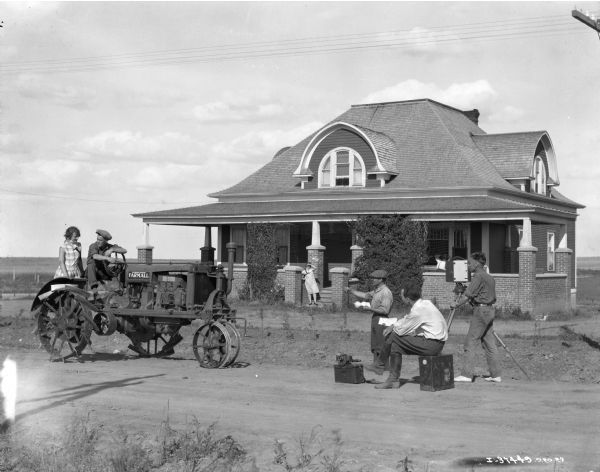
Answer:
(148, 303)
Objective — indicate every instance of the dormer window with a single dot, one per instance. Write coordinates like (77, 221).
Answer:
(539, 176)
(342, 167)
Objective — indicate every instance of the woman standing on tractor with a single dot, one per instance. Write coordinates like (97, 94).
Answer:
(69, 255)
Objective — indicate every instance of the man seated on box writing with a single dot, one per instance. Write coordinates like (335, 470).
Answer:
(422, 332)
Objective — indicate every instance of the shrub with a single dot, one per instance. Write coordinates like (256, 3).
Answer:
(392, 243)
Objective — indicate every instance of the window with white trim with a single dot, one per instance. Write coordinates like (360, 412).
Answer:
(238, 236)
(539, 173)
(447, 240)
(551, 248)
(342, 167)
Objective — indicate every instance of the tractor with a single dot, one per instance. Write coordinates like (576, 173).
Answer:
(148, 303)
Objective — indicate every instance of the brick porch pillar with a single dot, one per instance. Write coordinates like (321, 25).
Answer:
(563, 265)
(527, 258)
(339, 280)
(293, 285)
(144, 254)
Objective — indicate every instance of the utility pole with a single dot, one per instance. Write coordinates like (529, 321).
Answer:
(587, 19)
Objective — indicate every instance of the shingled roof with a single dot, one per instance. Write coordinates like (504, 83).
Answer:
(512, 153)
(430, 143)
(428, 146)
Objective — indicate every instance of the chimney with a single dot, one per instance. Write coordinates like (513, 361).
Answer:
(472, 115)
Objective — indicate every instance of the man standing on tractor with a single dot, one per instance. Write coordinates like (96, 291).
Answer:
(97, 259)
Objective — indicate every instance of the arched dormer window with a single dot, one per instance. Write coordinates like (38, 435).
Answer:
(539, 176)
(342, 167)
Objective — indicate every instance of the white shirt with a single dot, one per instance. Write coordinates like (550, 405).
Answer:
(424, 320)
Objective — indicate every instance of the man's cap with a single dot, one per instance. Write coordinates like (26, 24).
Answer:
(105, 234)
(378, 274)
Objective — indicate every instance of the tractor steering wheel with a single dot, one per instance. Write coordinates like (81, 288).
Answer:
(114, 269)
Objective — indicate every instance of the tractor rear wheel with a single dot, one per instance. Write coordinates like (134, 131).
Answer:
(216, 344)
(63, 326)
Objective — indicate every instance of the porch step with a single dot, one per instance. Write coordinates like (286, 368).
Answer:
(325, 297)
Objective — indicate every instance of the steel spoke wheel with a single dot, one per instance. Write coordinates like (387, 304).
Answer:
(236, 342)
(62, 326)
(213, 345)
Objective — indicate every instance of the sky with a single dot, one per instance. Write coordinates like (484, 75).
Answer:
(108, 109)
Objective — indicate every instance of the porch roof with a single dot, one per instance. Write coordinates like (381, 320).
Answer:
(425, 207)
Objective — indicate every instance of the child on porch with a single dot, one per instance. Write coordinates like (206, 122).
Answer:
(310, 282)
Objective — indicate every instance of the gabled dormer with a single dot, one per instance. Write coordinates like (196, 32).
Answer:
(343, 155)
(525, 160)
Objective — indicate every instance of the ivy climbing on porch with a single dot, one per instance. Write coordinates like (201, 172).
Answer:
(393, 243)
(262, 262)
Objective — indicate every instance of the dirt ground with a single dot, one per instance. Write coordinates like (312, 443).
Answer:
(282, 387)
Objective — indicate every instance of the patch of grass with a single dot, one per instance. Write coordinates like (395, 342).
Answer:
(309, 454)
(196, 448)
(127, 455)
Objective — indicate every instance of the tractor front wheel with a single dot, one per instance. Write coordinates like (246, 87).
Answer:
(216, 344)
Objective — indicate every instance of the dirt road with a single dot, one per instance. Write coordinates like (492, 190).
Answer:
(259, 404)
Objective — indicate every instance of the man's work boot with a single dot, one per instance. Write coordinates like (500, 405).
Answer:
(379, 360)
(393, 380)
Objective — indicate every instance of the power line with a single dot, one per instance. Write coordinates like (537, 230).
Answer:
(484, 26)
(294, 47)
(81, 199)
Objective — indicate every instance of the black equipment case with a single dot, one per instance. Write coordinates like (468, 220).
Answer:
(349, 373)
(436, 372)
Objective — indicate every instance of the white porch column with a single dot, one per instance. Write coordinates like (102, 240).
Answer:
(485, 239)
(207, 252)
(208, 236)
(316, 252)
(316, 234)
(526, 240)
(144, 252)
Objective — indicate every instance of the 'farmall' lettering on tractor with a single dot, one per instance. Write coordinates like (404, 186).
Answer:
(141, 276)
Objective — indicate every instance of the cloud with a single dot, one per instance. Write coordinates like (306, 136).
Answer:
(72, 96)
(238, 107)
(421, 41)
(20, 11)
(507, 114)
(158, 97)
(466, 95)
(135, 146)
(262, 144)
(11, 143)
(8, 53)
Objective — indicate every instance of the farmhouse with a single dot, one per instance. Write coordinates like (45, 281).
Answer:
(491, 192)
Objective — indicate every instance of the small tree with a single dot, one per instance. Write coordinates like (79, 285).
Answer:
(261, 260)
(395, 244)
